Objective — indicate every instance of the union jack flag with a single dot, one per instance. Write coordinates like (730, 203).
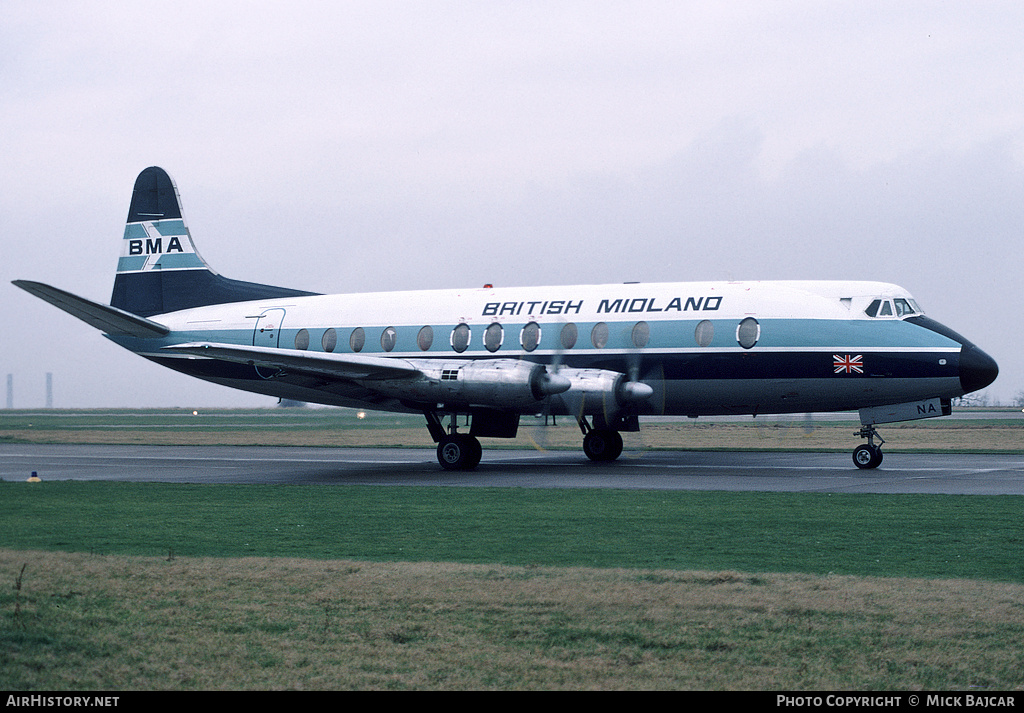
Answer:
(848, 364)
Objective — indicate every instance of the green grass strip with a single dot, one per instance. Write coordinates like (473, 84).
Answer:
(931, 536)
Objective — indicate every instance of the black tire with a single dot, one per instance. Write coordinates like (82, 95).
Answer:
(459, 452)
(867, 457)
(602, 445)
(476, 452)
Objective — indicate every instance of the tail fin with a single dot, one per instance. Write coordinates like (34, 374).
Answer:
(160, 270)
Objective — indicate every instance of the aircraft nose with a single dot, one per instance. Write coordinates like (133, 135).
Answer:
(977, 369)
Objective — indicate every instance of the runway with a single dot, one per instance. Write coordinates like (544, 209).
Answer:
(962, 474)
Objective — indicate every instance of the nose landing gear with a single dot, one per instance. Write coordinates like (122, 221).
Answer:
(868, 455)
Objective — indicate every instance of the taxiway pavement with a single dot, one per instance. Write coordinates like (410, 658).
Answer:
(964, 474)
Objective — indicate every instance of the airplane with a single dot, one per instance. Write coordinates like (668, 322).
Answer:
(482, 358)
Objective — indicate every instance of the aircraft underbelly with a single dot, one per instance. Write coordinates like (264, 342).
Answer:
(708, 397)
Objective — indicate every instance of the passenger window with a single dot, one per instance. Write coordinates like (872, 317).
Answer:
(493, 336)
(599, 335)
(425, 338)
(569, 336)
(641, 334)
(748, 332)
(302, 339)
(460, 338)
(329, 340)
(388, 339)
(704, 333)
(357, 340)
(530, 336)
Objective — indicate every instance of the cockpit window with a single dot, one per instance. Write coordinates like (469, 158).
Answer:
(897, 307)
(903, 307)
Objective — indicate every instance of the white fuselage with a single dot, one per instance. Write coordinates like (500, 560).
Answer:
(705, 347)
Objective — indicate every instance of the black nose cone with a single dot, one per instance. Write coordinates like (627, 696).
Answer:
(977, 369)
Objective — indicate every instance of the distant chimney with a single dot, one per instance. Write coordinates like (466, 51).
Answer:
(49, 390)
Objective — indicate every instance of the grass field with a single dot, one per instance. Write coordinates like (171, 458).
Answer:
(936, 536)
(89, 622)
(138, 586)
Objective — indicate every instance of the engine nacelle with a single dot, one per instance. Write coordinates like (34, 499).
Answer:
(492, 383)
(600, 391)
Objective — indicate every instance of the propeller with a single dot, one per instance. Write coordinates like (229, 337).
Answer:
(808, 424)
(632, 390)
(617, 390)
(565, 339)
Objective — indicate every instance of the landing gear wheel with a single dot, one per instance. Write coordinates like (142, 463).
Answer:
(602, 445)
(459, 452)
(867, 456)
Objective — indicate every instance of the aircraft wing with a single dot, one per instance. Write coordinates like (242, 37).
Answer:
(345, 366)
(110, 320)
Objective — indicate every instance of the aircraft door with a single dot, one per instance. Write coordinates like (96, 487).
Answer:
(267, 333)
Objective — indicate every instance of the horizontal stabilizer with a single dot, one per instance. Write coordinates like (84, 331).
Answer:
(111, 320)
(345, 366)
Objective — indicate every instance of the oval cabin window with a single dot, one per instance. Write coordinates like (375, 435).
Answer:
(493, 336)
(641, 334)
(748, 332)
(530, 337)
(358, 339)
(329, 340)
(425, 338)
(704, 333)
(460, 338)
(569, 336)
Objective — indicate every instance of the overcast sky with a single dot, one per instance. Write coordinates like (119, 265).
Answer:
(354, 146)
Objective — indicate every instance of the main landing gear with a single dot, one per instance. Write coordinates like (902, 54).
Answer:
(868, 455)
(459, 451)
(602, 445)
(602, 442)
(455, 451)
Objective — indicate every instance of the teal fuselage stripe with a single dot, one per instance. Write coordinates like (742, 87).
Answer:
(780, 334)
